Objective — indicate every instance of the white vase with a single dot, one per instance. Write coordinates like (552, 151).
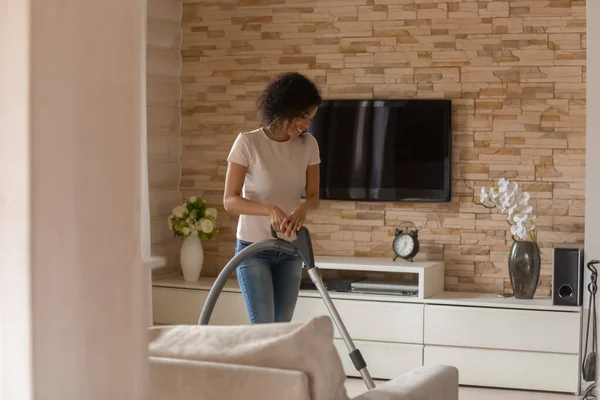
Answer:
(191, 258)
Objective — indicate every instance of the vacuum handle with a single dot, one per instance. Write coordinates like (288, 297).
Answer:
(304, 246)
(273, 233)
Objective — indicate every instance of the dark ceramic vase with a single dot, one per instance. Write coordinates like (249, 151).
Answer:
(524, 268)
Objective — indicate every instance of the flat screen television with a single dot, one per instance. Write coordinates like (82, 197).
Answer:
(385, 150)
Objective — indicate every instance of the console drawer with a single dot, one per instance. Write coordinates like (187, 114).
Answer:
(380, 321)
(384, 360)
(556, 332)
(509, 369)
(172, 306)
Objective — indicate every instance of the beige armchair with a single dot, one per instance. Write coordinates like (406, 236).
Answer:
(271, 361)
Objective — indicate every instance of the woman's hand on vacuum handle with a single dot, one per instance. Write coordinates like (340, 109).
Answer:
(296, 219)
(277, 217)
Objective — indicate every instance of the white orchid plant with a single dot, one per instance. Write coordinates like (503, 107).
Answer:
(510, 199)
(193, 217)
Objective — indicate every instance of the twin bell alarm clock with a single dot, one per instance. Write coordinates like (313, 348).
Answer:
(406, 243)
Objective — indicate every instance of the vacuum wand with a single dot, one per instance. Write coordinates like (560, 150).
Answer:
(301, 247)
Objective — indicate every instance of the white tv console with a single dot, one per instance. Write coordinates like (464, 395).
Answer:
(493, 341)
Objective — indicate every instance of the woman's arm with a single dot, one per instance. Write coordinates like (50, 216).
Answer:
(312, 187)
(232, 198)
(234, 203)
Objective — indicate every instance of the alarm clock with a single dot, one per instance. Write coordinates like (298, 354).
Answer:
(406, 243)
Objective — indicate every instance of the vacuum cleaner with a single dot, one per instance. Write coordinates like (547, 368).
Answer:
(588, 367)
(301, 247)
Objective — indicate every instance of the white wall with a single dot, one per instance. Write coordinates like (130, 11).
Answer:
(72, 287)
(592, 171)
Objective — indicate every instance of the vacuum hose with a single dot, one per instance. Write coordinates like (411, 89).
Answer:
(213, 294)
(301, 247)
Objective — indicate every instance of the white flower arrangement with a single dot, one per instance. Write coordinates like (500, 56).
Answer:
(193, 217)
(510, 199)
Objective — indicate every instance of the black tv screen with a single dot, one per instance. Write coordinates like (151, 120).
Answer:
(385, 150)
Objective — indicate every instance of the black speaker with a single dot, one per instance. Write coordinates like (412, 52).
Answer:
(567, 281)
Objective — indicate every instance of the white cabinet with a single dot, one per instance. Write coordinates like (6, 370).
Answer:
(503, 347)
(389, 335)
(494, 342)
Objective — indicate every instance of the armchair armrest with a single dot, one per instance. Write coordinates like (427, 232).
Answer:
(436, 382)
(179, 379)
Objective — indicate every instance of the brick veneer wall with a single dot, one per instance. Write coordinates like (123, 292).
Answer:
(515, 71)
(163, 94)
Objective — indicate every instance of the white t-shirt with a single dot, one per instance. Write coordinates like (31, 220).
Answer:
(276, 175)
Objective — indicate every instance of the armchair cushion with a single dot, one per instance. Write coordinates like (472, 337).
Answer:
(434, 382)
(306, 347)
(174, 379)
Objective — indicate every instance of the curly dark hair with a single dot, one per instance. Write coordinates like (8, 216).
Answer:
(289, 96)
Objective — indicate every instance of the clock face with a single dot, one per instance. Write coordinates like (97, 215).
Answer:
(404, 245)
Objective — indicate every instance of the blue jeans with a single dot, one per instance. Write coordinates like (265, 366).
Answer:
(270, 282)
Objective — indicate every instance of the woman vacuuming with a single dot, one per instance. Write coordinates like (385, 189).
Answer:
(268, 170)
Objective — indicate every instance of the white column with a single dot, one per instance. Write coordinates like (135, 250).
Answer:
(73, 290)
(16, 375)
(145, 189)
(145, 195)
